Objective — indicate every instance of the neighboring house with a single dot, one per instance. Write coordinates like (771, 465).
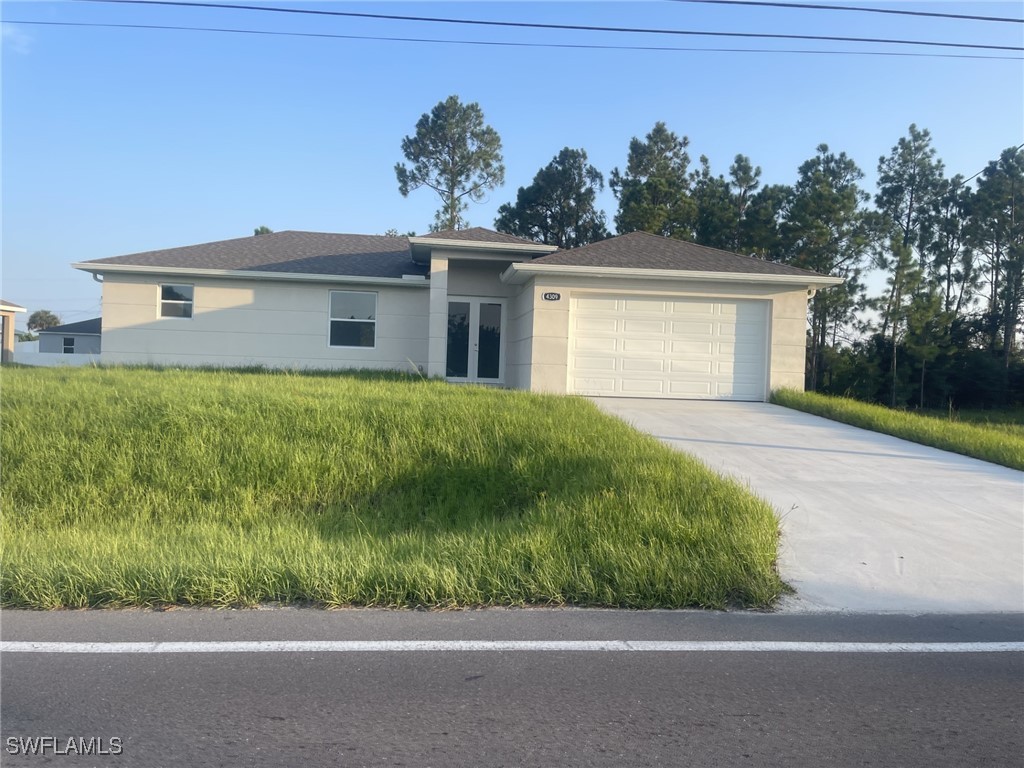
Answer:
(81, 338)
(8, 310)
(636, 315)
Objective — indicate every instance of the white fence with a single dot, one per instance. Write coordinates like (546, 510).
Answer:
(27, 353)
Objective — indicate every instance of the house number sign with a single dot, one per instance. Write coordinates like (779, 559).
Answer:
(552, 296)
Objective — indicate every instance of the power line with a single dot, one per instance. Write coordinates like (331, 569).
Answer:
(538, 25)
(969, 178)
(505, 44)
(812, 6)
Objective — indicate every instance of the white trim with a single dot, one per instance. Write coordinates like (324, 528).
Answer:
(12, 308)
(517, 274)
(243, 274)
(463, 646)
(481, 245)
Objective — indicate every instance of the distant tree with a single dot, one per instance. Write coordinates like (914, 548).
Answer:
(724, 205)
(558, 208)
(997, 234)
(454, 153)
(744, 178)
(653, 191)
(827, 230)
(952, 258)
(760, 232)
(25, 336)
(909, 182)
(42, 319)
(717, 215)
(392, 232)
(261, 230)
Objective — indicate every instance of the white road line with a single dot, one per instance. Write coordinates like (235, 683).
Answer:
(391, 646)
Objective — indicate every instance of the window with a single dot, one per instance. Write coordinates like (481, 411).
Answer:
(176, 300)
(69, 345)
(353, 319)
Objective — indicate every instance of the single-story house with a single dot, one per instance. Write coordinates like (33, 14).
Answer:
(636, 315)
(81, 338)
(8, 309)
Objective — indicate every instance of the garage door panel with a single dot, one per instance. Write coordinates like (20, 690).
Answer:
(646, 306)
(640, 346)
(643, 326)
(746, 369)
(643, 386)
(692, 366)
(693, 328)
(690, 388)
(728, 310)
(648, 346)
(596, 304)
(741, 349)
(629, 365)
(694, 308)
(689, 348)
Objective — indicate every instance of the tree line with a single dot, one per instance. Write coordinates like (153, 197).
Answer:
(944, 332)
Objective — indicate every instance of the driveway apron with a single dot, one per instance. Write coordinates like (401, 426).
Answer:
(870, 523)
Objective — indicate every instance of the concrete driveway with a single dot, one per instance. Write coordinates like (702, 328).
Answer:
(870, 523)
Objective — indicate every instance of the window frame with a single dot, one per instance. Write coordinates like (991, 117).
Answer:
(331, 319)
(69, 349)
(162, 302)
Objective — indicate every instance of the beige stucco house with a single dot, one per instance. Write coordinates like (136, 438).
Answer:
(636, 315)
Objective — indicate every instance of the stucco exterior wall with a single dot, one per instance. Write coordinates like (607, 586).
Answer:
(85, 344)
(257, 322)
(478, 278)
(519, 345)
(549, 351)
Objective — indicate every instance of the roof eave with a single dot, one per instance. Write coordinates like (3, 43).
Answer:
(530, 250)
(410, 281)
(517, 274)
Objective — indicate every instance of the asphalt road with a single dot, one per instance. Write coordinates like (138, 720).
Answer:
(517, 708)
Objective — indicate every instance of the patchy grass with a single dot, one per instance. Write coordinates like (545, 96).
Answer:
(143, 487)
(968, 433)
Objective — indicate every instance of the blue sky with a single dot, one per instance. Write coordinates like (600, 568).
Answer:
(123, 140)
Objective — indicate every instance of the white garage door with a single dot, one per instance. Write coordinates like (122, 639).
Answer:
(662, 346)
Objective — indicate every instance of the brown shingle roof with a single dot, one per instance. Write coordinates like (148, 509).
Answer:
(641, 250)
(479, 235)
(318, 253)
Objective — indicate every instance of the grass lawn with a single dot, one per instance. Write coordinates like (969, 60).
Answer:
(995, 436)
(144, 487)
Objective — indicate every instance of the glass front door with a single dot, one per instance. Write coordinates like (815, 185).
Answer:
(475, 340)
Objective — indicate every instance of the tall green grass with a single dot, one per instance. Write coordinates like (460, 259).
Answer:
(993, 441)
(142, 487)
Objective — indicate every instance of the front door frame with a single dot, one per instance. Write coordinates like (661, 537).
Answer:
(474, 335)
